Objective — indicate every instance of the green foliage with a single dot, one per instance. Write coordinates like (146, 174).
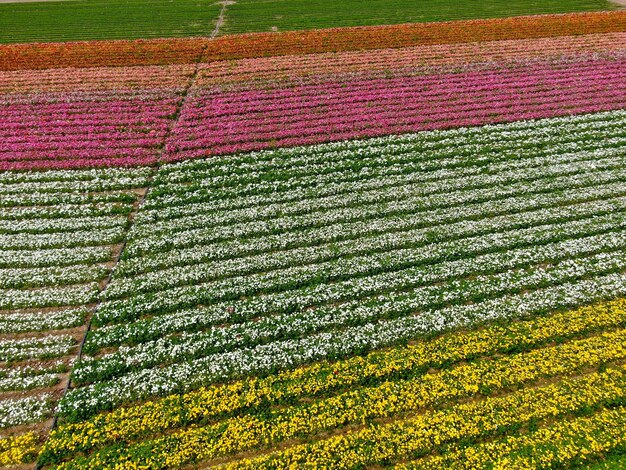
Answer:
(105, 19)
(282, 15)
(68, 20)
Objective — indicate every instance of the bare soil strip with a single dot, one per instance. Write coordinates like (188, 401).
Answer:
(220, 19)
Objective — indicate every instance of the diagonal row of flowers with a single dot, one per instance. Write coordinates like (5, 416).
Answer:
(125, 119)
(218, 123)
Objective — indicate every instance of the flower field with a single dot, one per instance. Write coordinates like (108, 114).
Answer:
(392, 246)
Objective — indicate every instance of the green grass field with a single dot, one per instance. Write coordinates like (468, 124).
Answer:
(116, 19)
(106, 19)
(281, 15)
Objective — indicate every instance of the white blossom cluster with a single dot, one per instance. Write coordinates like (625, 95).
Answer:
(59, 319)
(37, 347)
(247, 264)
(17, 411)
(28, 377)
(55, 257)
(37, 277)
(403, 249)
(275, 355)
(58, 231)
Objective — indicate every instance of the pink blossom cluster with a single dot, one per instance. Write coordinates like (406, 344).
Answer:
(218, 123)
(293, 70)
(66, 133)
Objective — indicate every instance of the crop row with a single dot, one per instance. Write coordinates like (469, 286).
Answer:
(95, 79)
(204, 296)
(68, 133)
(398, 383)
(51, 265)
(384, 443)
(178, 51)
(267, 72)
(232, 122)
(569, 443)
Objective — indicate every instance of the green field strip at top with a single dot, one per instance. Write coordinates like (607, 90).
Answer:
(133, 19)
(105, 19)
(246, 16)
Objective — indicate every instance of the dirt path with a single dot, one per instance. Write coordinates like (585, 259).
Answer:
(621, 3)
(220, 19)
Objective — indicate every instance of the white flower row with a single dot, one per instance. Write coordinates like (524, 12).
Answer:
(28, 377)
(35, 225)
(76, 185)
(224, 167)
(38, 277)
(290, 353)
(35, 347)
(43, 199)
(62, 211)
(459, 189)
(297, 275)
(392, 304)
(27, 241)
(42, 321)
(49, 296)
(47, 180)
(54, 256)
(28, 382)
(17, 411)
(352, 290)
(362, 238)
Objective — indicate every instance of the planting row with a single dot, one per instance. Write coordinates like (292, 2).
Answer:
(279, 410)
(219, 123)
(122, 116)
(59, 232)
(205, 294)
(314, 68)
(176, 51)
(91, 129)
(83, 80)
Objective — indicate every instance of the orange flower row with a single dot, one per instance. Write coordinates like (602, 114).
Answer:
(395, 36)
(177, 51)
(100, 53)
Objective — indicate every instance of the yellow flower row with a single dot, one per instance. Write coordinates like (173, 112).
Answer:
(418, 436)
(570, 441)
(360, 405)
(206, 403)
(19, 449)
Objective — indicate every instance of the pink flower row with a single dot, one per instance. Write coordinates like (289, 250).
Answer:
(78, 127)
(251, 120)
(84, 133)
(267, 72)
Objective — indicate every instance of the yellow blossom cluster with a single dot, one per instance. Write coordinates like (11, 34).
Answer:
(18, 449)
(208, 404)
(362, 404)
(383, 443)
(567, 442)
